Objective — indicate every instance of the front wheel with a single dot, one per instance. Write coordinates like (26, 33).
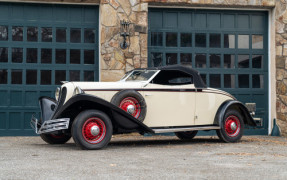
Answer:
(92, 129)
(232, 127)
(187, 135)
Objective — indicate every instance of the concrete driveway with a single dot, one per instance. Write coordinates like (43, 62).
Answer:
(138, 157)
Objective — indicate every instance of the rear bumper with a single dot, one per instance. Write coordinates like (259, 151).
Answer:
(49, 125)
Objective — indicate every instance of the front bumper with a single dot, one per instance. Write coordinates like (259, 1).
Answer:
(49, 125)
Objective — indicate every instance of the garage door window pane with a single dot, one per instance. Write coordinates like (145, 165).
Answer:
(17, 55)
(89, 56)
(214, 80)
(214, 60)
(88, 75)
(171, 58)
(229, 81)
(46, 56)
(32, 34)
(61, 34)
(257, 61)
(31, 77)
(243, 61)
(156, 59)
(156, 39)
(243, 41)
(3, 33)
(257, 42)
(75, 56)
(16, 76)
(200, 40)
(203, 77)
(3, 76)
(185, 59)
(243, 81)
(200, 60)
(229, 41)
(89, 35)
(3, 54)
(17, 33)
(229, 61)
(171, 39)
(257, 81)
(74, 75)
(60, 56)
(186, 40)
(47, 35)
(60, 75)
(46, 78)
(75, 35)
(31, 55)
(214, 40)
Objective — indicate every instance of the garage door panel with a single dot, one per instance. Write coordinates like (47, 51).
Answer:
(40, 46)
(227, 47)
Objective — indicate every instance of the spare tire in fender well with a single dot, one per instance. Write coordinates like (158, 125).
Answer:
(140, 103)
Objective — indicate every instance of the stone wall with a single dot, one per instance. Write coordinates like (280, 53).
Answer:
(281, 64)
(114, 60)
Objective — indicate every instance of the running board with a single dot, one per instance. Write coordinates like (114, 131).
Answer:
(169, 130)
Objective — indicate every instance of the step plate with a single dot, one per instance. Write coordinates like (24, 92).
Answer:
(169, 130)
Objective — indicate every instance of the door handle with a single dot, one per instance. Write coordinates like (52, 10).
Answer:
(148, 94)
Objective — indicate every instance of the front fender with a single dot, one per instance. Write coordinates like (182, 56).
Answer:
(81, 102)
(219, 118)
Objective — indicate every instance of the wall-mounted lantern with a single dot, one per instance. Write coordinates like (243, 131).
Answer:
(125, 32)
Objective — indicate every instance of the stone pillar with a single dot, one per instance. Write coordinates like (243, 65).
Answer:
(281, 65)
(114, 61)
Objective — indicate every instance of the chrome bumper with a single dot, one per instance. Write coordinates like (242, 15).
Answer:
(49, 125)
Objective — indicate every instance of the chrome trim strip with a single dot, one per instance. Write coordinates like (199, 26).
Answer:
(185, 129)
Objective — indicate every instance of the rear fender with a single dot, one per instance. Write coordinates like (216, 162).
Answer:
(82, 102)
(219, 118)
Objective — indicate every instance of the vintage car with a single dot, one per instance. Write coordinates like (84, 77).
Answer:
(152, 100)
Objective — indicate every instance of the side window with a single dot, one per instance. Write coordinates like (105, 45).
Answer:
(181, 80)
(172, 77)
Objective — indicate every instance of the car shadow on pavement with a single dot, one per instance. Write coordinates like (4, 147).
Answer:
(139, 143)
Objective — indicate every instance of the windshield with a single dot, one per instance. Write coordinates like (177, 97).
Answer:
(141, 75)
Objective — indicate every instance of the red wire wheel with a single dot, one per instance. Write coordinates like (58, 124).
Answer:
(131, 105)
(94, 130)
(232, 126)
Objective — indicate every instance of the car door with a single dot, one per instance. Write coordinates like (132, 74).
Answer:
(169, 105)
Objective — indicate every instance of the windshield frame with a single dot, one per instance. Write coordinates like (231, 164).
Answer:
(128, 74)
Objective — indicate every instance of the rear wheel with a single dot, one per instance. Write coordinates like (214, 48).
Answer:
(55, 139)
(232, 127)
(187, 135)
(92, 129)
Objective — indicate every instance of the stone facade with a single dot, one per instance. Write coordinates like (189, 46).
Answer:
(115, 61)
(281, 64)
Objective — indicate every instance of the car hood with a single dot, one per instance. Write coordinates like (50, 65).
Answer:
(108, 85)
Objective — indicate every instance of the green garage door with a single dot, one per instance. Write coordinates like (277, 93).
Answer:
(41, 45)
(228, 48)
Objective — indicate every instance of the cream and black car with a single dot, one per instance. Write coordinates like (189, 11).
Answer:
(152, 100)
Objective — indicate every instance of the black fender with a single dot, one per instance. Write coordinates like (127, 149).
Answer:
(247, 118)
(81, 102)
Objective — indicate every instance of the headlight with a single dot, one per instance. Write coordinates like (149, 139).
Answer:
(78, 90)
(57, 93)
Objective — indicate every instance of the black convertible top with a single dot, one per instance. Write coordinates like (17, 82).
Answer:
(198, 82)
